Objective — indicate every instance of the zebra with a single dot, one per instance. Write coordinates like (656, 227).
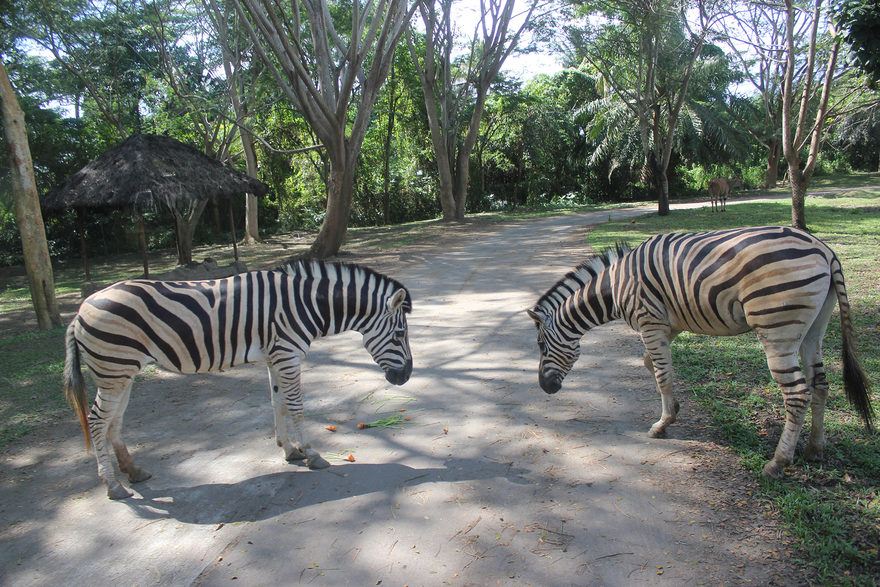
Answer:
(269, 316)
(778, 281)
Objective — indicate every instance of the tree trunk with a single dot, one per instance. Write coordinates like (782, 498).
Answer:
(661, 184)
(251, 222)
(771, 175)
(386, 171)
(186, 228)
(438, 141)
(460, 185)
(446, 188)
(662, 195)
(799, 183)
(340, 187)
(28, 215)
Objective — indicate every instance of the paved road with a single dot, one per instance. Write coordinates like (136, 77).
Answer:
(490, 482)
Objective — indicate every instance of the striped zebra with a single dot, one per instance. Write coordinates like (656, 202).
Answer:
(780, 282)
(200, 326)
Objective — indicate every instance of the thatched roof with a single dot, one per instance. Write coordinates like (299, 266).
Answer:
(146, 170)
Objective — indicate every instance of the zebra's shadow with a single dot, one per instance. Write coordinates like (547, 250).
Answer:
(267, 496)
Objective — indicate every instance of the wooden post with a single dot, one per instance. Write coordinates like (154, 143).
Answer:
(232, 228)
(142, 240)
(81, 229)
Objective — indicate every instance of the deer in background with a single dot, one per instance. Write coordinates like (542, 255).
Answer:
(719, 188)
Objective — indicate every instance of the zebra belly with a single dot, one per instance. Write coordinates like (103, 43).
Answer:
(729, 321)
(253, 355)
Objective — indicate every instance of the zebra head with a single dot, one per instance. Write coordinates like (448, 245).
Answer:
(558, 352)
(387, 338)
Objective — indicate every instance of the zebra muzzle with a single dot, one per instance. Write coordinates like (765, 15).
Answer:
(399, 376)
(550, 381)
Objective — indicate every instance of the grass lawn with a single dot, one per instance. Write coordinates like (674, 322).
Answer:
(832, 509)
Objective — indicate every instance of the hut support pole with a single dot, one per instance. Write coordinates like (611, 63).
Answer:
(142, 239)
(81, 229)
(232, 228)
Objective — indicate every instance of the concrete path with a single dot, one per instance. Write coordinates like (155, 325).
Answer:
(490, 481)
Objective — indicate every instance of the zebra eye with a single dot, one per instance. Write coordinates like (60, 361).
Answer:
(399, 333)
(542, 346)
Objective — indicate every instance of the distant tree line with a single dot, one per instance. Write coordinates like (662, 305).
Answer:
(363, 114)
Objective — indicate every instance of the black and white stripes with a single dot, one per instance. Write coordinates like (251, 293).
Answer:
(780, 282)
(201, 326)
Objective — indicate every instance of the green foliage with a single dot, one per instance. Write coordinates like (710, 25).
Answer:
(860, 22)
(830, 510)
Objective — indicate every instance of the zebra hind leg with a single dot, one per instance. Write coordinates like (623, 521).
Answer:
(811, 358)
(792, 381)
(106, 409)
(114, 434)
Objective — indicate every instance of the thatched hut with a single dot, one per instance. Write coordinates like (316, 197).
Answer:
(145, 171)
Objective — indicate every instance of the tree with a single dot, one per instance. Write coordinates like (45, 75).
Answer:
(756, 35)
(330, 64)
(455, 100)
(223, 20)
(806, 94)
(27, 209)
(646, 53)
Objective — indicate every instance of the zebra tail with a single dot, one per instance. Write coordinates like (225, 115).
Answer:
(855, 382)
(75, 384)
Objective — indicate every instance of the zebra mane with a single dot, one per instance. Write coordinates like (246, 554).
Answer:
(317, 267)
(580, 276)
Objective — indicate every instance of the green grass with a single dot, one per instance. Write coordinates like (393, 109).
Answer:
(30, 377)
(831, 510)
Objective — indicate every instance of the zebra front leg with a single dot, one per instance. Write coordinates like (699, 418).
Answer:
(658, 357)
(101, 418)
(279, 409)
(287, 380)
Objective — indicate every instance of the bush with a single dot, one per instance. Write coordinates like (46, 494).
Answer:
(10, 240)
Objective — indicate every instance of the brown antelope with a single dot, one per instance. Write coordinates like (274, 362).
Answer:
(719, 188)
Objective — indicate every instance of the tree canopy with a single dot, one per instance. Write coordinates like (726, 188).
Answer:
(363, 113)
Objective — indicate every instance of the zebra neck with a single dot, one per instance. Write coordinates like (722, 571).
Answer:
(341, 298)
(591, 305)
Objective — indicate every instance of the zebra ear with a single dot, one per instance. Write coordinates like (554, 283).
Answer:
(538, 316)
(396, 300)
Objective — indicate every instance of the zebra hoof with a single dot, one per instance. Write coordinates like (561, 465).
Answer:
(318, 462)
(658, 430)
(137, 475)
(115, 490)
(294, 454)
